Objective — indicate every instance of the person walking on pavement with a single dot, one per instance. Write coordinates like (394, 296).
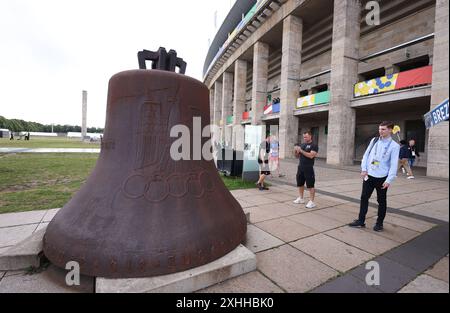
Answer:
(403, 161)
(413, 153)
(307, 152)
(274, 160)
(378, 169)
(263, 161)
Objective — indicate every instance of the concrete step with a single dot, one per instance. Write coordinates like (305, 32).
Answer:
(23, 255)
(239, 261)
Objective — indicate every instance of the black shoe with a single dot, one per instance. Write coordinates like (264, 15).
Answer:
(378, 228)
(357, 223)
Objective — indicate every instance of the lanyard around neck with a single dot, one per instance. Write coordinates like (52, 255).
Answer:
(385, 149)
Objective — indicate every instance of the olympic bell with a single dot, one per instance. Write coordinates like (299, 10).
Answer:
(141, 213)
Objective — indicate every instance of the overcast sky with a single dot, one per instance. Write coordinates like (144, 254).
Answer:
(51, 50)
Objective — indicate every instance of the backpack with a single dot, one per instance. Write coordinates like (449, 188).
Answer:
(373, 144)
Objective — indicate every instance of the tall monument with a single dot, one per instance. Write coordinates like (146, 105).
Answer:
(84, 115)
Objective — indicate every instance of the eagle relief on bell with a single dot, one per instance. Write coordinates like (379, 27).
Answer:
(141, 213)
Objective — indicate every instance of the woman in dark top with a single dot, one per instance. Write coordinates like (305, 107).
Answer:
(263, 161)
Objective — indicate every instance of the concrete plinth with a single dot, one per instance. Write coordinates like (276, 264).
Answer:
(238, 262)
(23, 255)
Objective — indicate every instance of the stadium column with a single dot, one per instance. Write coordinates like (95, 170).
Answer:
(290, 76)
(240, 83)
(217, 111)
(211, 106)
(438, 139)
(260, 73)
(227, 103)
(344, 74)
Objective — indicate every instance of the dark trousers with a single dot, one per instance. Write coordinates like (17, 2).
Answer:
(367, 190)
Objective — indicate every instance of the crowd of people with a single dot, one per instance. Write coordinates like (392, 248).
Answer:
(382, 159)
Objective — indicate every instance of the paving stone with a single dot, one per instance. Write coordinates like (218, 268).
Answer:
(393, 232)
(21, 218)
(258, 200)
(280, 197)
(363, 239)
(258, 240)
(51, 280)
(407, 199)
(439, 212)
(241, 193)
(300, 207)
(9, 236)
(285, 229)
(253, 282)
(332, 252)
(315, 221)
(49, 215)
(396, 204)
(244, 204)
(440, 270)
(422, 252)
(393, 276)
(408, 222)
(346, 284)
(259, 215)
(426, 284)
(338, 214)
(281, 209)
(293, 270)
(354, 209)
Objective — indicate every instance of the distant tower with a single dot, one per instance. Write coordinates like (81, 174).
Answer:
(84, 115)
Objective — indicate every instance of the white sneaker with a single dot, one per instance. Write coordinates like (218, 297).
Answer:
(310, 205)
(410, 177)
(299, 201)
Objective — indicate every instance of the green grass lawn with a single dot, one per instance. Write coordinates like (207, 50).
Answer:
(35, 181)
(47, 142)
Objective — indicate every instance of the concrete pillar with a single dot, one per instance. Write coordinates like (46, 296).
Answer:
(291, 60)
(260, 73)
(344, 74)
(84, 115)
(211, 106)
(240, 82)
(217, 110)
(438, 140)
(227, 106)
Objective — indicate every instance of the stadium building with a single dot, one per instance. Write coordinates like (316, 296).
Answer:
(336, 67)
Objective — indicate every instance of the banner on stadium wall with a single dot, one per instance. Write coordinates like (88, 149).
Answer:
(416, 77)
(437, 115)
(315, 99)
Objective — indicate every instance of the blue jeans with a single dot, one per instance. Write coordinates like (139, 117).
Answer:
(411, 162)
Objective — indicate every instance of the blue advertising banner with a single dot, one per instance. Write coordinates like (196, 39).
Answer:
(437, 115)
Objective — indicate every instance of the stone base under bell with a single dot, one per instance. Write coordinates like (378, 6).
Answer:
(25, 254)
(238, 262)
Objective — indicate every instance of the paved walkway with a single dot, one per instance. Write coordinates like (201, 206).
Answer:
(304, 250)
(49, 150)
